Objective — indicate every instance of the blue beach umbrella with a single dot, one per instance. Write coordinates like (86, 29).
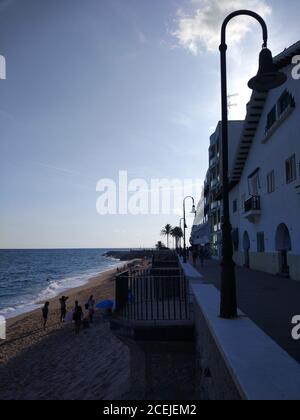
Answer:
(106, 304)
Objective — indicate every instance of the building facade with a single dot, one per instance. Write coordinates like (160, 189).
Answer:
(265, 199)
(200, 235)
(264, 173)
(211, 202)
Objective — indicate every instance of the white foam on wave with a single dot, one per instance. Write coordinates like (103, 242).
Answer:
(57, 287)
(19, 310)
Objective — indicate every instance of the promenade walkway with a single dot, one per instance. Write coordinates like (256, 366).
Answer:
(270, 301)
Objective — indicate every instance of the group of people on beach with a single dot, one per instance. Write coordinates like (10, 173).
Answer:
(77, 314)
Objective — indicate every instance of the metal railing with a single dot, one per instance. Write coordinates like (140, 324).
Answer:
(153, 295)
(252, 204)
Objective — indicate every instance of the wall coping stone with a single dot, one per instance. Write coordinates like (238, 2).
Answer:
(259, 367)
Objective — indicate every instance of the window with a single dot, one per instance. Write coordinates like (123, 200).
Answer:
(284, 102)
(235, 206)
(261, 242)
(271, 182)
(290, 169)
(254, 183)
(271, 119)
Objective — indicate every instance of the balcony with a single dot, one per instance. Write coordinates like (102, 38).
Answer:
(252, 209)
(206, 209)
(206, 189)
(214, 205)
(213, 161)
(214, 182)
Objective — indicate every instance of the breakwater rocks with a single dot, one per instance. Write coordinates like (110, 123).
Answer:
(129, 255)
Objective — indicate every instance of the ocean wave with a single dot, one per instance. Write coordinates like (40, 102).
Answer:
(56, 288)
(19, 310)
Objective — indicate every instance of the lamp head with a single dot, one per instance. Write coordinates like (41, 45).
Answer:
(193, 209)
(268, 76)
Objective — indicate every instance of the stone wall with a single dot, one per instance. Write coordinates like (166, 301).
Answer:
(162, 371)
(213, 380)
(294, 264)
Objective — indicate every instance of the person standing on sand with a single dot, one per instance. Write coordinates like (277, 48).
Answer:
(63, 308)
(77, 317)
(91, 308)
(45, 312)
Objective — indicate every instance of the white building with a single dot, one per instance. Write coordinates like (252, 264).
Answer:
(265, 201)
(200, 235)
(207, 224)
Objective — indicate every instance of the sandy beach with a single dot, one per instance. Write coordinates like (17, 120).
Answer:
(56, 364)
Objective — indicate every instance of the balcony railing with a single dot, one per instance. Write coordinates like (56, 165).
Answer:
(253, 204)
(214, 183)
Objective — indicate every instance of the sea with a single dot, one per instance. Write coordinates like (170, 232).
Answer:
(29, 277)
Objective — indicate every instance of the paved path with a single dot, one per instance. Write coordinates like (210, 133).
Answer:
(270, 301)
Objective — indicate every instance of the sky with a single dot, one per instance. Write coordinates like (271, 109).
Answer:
(94, 87)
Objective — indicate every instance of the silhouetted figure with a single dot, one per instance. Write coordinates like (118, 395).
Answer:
(91, 308)
(45, 312)
(77, 317)
(202, 256)
(63, 308)
(195, 255)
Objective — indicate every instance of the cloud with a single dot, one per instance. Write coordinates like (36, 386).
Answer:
(62, 170)
(141, 36)
(199, 27)
(182, 119)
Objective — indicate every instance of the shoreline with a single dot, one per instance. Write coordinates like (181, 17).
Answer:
(25, 331)
(55, 299)
(31, 307)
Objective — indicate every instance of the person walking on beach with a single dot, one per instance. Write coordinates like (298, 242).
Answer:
(63, 308)
(77, 317)
(91, 308)
(45, 312)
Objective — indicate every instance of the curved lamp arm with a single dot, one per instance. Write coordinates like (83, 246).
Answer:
(189, 196)
(245, 13)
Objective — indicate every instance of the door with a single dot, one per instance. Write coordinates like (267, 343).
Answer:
(284, 267)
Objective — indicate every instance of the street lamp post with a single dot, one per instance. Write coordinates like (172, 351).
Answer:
(185, 226)
(180, 225)
(268, 78)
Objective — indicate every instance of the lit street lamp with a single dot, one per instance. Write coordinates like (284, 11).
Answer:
(267, 78)
(185, 226)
